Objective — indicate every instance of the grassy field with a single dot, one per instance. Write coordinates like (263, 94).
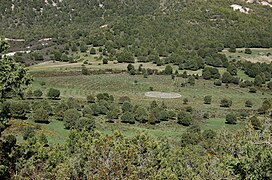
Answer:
(79, 86)
(135, 86)
(258, 55)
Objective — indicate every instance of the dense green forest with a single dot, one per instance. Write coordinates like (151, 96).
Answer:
(147, 89)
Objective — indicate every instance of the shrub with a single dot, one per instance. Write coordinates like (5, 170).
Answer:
(60, 109)
(217, 82)
(41, 116)
(42, 104)
(128, 117)
(168, 70)
(231, 119)
(85, 123)
(17, 110)
(225, 103)
(248, 51)
(207, 99)
(92, 51)
(127, 107)
(252, 90)
(90, 99)
(38, 93)
(184, 119)
(232, 48)
(248, 103)
(185, 101)
(141, 114)
(53, 93)
(70, 118)
(256, 123)
(191, 80)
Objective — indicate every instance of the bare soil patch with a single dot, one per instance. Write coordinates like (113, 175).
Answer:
(162, 95)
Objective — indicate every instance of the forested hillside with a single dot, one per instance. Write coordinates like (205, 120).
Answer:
(149, 24)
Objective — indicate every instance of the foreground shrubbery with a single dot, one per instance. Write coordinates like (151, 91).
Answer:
(203, 155)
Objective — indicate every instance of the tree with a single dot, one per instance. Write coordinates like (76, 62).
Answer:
(232, 48)
(141, 114)
(231, 119)
(258, 81)
(185, 101)
(53, 93)
(85, 123)
(248, 51)
(90, 99)
(38, 93)
(168, 70)
(127, 107)
(130, 67)
(128, 117)
(226, 102)
(71, 116)
(248, 103)
(227, 77)
(105, 61)
(13, 76)
(184, 119)
(256, 123)
(17, 110)
(92, 51)
(191, 80)
(84, 70)
(269, 85)
(207, 99)
(41, 116)
(83, 47)
(232, 70)
(123, 99)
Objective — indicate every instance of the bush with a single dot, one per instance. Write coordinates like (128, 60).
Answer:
(168, 70)
(127, 107)
(141, 114)
(231, 119)
(252, 90)
(217, 82)
(92, 51)
(85, 123)
(90, 99)
(128, 117)
(42, 104)
(248, 103)
(248, 51)
(207, 99)
(60, 109)
(191, 80)
(38, 93)
(41, 116)
(70, 118)
(225, 103)
(185, 101)
(17, 109)
(184, 119)
(256, 123)
(53, 93)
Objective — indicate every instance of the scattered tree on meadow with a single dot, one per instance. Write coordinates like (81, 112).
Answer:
(248, 103)
(231, 119)
(168, 70)
(207, 99)
(53, 93)
(85, 123)
(41, 116)
(184, 119)
(71, 116)
(128, 117)
(38, 93)
(226, 102)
